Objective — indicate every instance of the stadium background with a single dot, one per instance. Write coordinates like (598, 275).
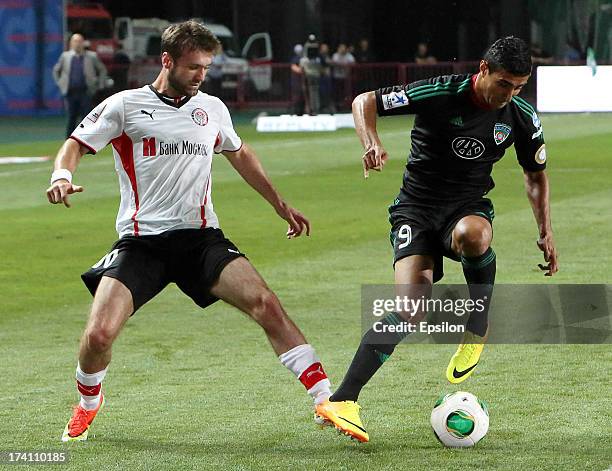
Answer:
(201, 390)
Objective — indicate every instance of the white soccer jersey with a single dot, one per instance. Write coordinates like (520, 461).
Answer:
(163, 152)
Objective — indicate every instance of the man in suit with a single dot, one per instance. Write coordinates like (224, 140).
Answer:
(78, 74)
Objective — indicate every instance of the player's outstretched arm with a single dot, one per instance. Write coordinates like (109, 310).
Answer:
(536, 184)
(364, 115)
(250, 169)
(66, 162)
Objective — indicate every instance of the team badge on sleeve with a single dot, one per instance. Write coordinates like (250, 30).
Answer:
(540, 155)
(199, 116)
(394, 100)
(501, 132)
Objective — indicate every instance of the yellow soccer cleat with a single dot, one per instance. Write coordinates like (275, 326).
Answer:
(344, 416)
(465, 359)
(77, 427)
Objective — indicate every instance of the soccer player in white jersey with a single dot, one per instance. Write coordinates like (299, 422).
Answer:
(164, 136)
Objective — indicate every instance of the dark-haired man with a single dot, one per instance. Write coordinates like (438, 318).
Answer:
(164, 136)
(463, 125)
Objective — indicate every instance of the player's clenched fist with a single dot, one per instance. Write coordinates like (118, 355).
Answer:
(374, 158)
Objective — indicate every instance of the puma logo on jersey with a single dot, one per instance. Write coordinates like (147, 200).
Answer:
(150, 115)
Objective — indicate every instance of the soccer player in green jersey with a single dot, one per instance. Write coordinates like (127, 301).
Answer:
(463, 125)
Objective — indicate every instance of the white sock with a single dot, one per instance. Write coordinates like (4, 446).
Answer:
(89, 387)
(305, 364)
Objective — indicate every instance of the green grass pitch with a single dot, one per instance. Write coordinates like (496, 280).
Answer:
(192, 389)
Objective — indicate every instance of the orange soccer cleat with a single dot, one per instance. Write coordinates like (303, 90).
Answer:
(77, 427)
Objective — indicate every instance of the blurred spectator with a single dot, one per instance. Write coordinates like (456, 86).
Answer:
(539, 56)
(311, 65)
(78, 74)
(341, 61)
(325, 85)
(298, 52)
(363, 53)
(297, 81)
(422, 55)
(214, 76)
(120, 68)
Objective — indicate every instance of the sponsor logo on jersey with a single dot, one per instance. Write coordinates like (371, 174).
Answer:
(183, 148)
(149, 148)
(95, 114)
(199, 117)
(394, 100)
(467, 147)
(501, 132)
(537, 124)
(540, 155)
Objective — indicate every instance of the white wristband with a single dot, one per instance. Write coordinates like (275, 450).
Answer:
(60, 174)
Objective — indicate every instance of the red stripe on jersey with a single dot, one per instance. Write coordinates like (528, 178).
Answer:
(88, 390)
(91, 149)
(312, 375)
(218, 140)
(125, 148)
(203, 207)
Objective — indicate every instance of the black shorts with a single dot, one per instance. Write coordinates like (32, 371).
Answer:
(426, 229)
(191, 258)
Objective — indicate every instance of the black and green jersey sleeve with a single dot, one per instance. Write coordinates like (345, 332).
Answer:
(455, 140)
(422, 97)
(529, 138)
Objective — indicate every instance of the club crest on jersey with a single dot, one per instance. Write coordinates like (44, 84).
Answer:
(467, 147)
(199, 116)
(394, 100)
(501, 132)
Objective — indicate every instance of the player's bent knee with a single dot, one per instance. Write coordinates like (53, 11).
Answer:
(472, 239)
(266, 307)
(99, 340)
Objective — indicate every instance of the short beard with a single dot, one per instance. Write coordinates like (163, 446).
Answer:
(178, 86)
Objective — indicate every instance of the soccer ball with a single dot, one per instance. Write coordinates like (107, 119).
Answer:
(459, 419)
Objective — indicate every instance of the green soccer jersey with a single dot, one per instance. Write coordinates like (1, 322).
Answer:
(455, 141)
